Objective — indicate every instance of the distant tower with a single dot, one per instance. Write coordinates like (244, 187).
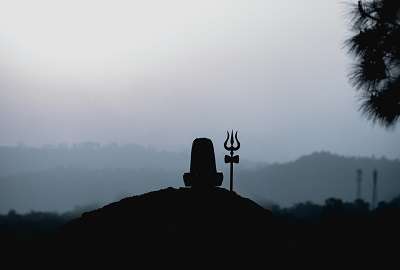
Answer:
(359, 181)
(374, 189)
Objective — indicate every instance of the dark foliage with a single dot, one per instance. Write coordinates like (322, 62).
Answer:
(376, 48)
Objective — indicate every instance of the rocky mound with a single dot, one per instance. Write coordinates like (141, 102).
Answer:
(176, 221)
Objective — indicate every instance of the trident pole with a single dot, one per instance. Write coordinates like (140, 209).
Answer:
(231, 174)
(231, 159)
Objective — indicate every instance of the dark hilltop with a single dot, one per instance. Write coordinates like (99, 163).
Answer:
(174, 221)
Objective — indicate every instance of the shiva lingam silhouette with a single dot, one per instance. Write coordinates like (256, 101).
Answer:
(203, 172)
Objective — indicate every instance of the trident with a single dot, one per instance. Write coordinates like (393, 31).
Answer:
(231, 159)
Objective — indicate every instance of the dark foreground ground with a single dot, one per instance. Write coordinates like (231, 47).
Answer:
(203, 226)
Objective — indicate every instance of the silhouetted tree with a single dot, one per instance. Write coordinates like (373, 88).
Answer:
(376, 47)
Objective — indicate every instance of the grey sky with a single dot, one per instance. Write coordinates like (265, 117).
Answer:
(160, 73)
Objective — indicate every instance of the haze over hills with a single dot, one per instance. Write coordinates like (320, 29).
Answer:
(88, 155)
(63, 177)
(318, 176)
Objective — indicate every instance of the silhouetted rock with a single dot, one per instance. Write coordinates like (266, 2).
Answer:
(176, 221)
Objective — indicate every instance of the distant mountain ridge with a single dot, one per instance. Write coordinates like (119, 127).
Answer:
(60, 178)
(18, 159)
(321, 175)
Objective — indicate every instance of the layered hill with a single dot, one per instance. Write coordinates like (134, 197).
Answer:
(319, 176)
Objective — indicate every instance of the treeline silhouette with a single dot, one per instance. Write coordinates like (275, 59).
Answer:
(36, 226)
(306, 234)
(303, 224)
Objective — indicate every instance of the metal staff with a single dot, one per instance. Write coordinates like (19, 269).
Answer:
(231, 159)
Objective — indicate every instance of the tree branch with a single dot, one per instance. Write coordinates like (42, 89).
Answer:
(364, 13)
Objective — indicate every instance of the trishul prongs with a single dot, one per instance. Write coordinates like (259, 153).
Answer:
(231, 159)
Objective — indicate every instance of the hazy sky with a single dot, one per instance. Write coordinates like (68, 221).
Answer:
(161, 73)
